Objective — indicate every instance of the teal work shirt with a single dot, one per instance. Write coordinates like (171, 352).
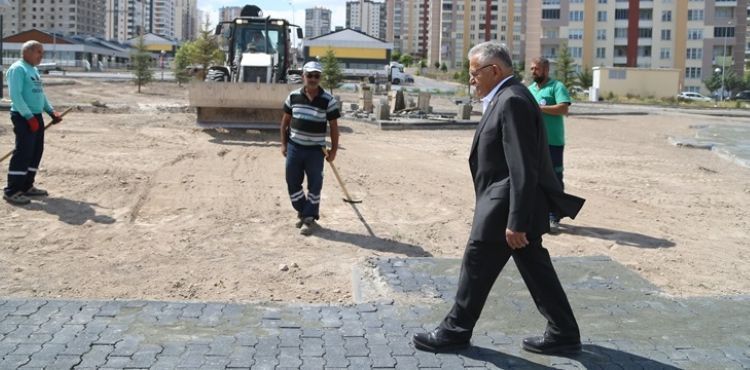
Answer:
(552, 93)
(26, 92)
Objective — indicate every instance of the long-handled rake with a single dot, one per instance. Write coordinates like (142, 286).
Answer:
(348, 198)
(45, 128)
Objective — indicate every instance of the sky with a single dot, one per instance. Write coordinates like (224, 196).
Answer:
(279, 9)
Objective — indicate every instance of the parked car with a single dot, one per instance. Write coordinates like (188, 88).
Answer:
(692, 96)
(742, 95)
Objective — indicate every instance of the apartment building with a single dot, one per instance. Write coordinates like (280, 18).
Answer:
(464, 23)
(317, 22)
(413, 26)
(366, 16)
(185, 25)
(82, 17)
(229, 13)
(162, 17)
(694, 36)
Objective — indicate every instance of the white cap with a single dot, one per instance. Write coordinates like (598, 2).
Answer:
(312, 66)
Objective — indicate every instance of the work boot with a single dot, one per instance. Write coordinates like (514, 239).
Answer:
(308, 226)
(35, 192)
(17, 199)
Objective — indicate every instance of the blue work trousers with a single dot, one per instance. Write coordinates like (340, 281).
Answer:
(304, 161)
(24, 163)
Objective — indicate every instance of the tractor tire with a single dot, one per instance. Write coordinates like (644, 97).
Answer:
(396, 81)
(216, 75)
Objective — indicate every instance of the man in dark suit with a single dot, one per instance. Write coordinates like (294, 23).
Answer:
(516, 188)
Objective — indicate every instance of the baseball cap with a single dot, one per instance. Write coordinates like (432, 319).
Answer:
(312, 66)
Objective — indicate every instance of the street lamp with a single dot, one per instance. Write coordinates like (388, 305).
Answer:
(724, 59)
(163, 53)
(4, 4)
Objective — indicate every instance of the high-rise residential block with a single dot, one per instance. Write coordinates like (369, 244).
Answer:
(317, 22)
(229, 13)
(696, 37)
(367, 16)
(413, 26)
(185, 26)
(82, 17)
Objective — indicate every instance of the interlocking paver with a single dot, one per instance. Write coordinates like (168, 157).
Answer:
(625, 321)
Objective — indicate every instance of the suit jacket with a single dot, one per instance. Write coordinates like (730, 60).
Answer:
(514, 181)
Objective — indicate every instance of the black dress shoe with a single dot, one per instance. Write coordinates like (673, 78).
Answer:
(547, 345)
(440, 340)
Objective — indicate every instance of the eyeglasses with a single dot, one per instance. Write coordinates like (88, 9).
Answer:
(313, 75)
(476, 73)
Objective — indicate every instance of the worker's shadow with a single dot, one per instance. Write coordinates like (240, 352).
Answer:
(625, 238)
(371, 241)
(69, 211)
(591, 357)
(243, 137)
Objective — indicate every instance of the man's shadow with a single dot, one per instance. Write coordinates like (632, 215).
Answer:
(591, 357)
(243, 137)
(372, 242)
(70, 211)
(626, 238)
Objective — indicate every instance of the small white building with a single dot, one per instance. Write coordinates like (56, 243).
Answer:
(643, 82)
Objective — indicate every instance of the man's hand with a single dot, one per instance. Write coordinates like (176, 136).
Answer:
(33, 124)
(516, 239)
(330, 154)
(283, 149)
(56, 117)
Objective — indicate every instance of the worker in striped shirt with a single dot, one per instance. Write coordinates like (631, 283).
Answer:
(308, 113)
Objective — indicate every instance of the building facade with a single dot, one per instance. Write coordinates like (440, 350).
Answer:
(82, 17)
(162, 16)
(696, 37)
(229, 13)
(366, 16)
(185, 25)
(464, 23)
(317, 22)
(413, 26)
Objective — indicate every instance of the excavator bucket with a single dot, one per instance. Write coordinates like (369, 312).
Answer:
(257, 106)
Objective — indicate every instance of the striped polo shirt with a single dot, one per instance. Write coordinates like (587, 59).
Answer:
(310, 118)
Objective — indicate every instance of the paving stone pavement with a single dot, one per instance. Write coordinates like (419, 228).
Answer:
(626, 323)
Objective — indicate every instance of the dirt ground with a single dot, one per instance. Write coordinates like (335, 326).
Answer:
(144, 205)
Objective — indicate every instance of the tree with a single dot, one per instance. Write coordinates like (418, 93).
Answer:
(444, 67)
(564, 71)
(332, 74)
(396, 56)
(437, 64)
(463, 75)
(518, 70)
(205, 50)
(585, 77)
(141, 64)
(422, 63)
(407, 60)
(181, 63)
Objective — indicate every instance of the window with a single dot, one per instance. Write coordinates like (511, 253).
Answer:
(665, 53)
(621, 33)
(601, 16)
(695, 14)
(646, 14)
(601, 53)
(666, 16)
(621, 14)
(618, 74)
(723, 31)
(693, 72)
(575, 34)
(576, 52)
(644, 33)
(695, 34)
(550, 13)
(666, 35)
(694, 53)
(576, 16)
(601, 34)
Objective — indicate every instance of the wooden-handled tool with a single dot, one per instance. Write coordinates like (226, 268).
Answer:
(45, 127)
(348, 198)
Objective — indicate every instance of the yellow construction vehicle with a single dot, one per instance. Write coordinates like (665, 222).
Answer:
(249, 90)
